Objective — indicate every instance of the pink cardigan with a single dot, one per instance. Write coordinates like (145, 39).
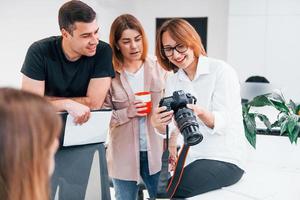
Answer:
(123, 147)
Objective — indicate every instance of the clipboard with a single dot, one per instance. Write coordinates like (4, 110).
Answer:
(94, 131)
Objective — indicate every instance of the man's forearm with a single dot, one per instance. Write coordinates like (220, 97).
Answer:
(94, 97)
(82, 100)
(60, 102)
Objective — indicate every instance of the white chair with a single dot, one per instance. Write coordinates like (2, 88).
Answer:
(249, 90)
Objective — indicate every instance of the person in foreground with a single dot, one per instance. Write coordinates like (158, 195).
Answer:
(217, 161)
(29, 131)
(134, 149)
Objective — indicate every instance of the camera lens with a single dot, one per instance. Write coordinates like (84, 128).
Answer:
(184, 117)
(188, 126)
(191, 135)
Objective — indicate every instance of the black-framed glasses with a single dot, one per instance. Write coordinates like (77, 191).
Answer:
(180, 48)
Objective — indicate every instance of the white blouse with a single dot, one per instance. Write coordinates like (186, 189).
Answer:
(216, 87)
(136, 82)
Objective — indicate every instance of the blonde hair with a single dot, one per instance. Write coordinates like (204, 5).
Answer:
(182, 32)
(28, 127)
(120, 24)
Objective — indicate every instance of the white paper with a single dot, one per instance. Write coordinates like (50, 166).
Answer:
(95, 130)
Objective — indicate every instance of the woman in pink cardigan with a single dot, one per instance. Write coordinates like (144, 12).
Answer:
(134, 149)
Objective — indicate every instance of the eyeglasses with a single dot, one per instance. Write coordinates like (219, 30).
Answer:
(180, 48)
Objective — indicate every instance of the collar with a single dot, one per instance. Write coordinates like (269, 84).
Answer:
(137, 73)
(202, 69)
(148, 67)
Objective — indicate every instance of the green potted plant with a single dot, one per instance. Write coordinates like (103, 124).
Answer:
(287, 119)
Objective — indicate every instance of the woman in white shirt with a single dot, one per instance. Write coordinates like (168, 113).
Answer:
(217, 161)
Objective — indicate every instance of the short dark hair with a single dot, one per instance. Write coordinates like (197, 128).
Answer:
(74, 11)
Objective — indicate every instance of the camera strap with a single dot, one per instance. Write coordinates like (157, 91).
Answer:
(166, 188)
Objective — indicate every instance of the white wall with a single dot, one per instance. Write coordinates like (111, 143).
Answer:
(263, 39)
(255, 36)
(215, 10)
(23, 22)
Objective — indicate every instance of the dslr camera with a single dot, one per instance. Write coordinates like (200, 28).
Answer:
(184, 117)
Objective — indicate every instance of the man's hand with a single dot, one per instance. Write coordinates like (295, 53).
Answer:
(80, 113)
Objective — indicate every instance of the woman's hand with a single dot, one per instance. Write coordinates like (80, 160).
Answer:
(206, 117)
(160, 118)
(135, 108)
(173, 157)
(198, 111)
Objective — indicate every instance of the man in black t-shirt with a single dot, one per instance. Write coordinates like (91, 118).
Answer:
(73, 71)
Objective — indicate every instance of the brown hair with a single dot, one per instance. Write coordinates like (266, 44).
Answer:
(120, 24)
(28, 127)
(182, 32)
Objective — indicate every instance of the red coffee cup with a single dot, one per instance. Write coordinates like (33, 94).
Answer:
(146, 98)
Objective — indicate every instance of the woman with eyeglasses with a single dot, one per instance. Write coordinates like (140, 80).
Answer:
(217, 161)
(134, 149)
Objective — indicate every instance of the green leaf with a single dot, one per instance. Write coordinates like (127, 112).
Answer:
(251, 136)
(280, 106)
(245, 109)
(275, 124)
(287, 119)
(278, 101)
(265, 120)
(292, 106)
(250, 122)
(260, 101)
(291, 123)
(282, 117)
(250, 128)
(275, 97)
(294, 135)
(283, 127)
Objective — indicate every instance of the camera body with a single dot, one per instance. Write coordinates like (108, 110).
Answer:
(184, 117)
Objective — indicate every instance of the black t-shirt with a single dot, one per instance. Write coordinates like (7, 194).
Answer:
(46, 61)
